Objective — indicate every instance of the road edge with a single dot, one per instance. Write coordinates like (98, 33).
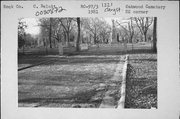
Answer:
(121, 102)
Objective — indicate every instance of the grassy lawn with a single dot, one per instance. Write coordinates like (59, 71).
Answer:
(28, 60)
(142, 81)
(82, 79)
(75, 81)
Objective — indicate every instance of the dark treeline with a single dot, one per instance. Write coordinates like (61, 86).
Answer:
(72, 32)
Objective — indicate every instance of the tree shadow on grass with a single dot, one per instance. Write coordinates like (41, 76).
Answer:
(30, 61)
(144, 60)
(120, 52)
(78, 98)
(70, 58)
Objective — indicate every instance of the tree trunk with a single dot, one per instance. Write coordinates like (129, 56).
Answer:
(78, 37)
(155, 35)
(24, 43)
(54, 43)
(68, 38)
(144, 37)
(64, 39)
(130, 39)
(46, 47)
(23, 50)
(50, 27)
(95, 38)
(60, 48)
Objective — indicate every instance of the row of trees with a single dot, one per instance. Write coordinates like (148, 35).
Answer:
(73, 29)
(59, 29)
(65, 31)
(134, 27)
(131, 27)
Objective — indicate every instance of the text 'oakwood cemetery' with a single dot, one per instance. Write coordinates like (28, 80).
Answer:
(79, 62)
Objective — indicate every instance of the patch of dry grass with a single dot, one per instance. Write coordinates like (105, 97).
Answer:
(78, 82)
(142, 81)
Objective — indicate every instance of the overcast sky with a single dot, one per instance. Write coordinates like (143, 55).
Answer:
(32, 24)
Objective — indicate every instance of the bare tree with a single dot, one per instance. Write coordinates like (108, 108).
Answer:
(128, 28)
(143, 23)
(68, 26)
(97, 28)
(93, 25)
(57, 30)
(105, 31)
(58, 34)
(46, 25)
